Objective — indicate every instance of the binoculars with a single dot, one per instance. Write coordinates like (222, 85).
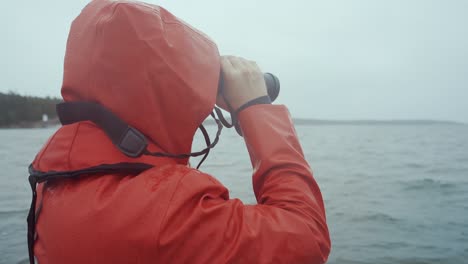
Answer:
(271, 81)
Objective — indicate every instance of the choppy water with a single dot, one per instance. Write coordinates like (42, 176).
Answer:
(393, 194)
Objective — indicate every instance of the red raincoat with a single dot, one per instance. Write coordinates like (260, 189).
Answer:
(161, 76)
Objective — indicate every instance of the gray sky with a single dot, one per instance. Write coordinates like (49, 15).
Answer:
(336, 59)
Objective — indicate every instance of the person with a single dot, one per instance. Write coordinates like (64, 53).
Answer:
(160, 76)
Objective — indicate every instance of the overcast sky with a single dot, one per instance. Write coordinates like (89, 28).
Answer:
(336, 59)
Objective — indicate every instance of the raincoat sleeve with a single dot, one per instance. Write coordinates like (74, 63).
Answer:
(287, 225)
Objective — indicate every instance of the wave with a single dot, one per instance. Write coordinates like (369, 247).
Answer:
(13, 212)
(414, 165)
(23, 261)
(420, 260)
(391, 245)
(378, 217)
(221, 165)
(399, 260)
(427, 183)
(447, 170)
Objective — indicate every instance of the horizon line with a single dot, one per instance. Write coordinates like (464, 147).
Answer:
(320, 121)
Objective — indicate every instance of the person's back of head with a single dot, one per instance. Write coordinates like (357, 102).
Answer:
(150, 68)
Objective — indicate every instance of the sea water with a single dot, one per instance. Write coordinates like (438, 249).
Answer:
(393, 193)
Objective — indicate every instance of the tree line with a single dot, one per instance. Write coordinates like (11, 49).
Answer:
(16, 109)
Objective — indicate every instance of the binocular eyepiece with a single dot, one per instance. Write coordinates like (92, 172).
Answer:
(272, 84)
(271, 81)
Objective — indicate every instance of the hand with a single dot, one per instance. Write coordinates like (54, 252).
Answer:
(243, 82)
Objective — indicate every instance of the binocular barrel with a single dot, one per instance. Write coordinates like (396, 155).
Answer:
(271, 81)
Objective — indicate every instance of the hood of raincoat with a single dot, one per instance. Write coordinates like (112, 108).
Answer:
(150, 68)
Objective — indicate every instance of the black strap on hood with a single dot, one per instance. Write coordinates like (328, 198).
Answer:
(36, 177)
(126, 138)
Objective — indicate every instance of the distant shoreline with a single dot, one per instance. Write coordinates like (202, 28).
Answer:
(303, 121)
(33, 124)
(17, 111)
(313, 122)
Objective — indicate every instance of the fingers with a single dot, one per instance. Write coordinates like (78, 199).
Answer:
(226, 63)
(243, 82)
(236, 63)
(253, 65)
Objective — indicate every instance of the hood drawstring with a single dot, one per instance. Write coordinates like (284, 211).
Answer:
(126, 138)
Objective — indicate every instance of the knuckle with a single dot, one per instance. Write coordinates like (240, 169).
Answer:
(245, 71)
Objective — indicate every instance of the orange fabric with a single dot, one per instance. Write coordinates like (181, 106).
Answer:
(160, 75)
(130, 57)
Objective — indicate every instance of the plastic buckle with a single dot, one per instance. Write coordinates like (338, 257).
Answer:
(133, 143)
